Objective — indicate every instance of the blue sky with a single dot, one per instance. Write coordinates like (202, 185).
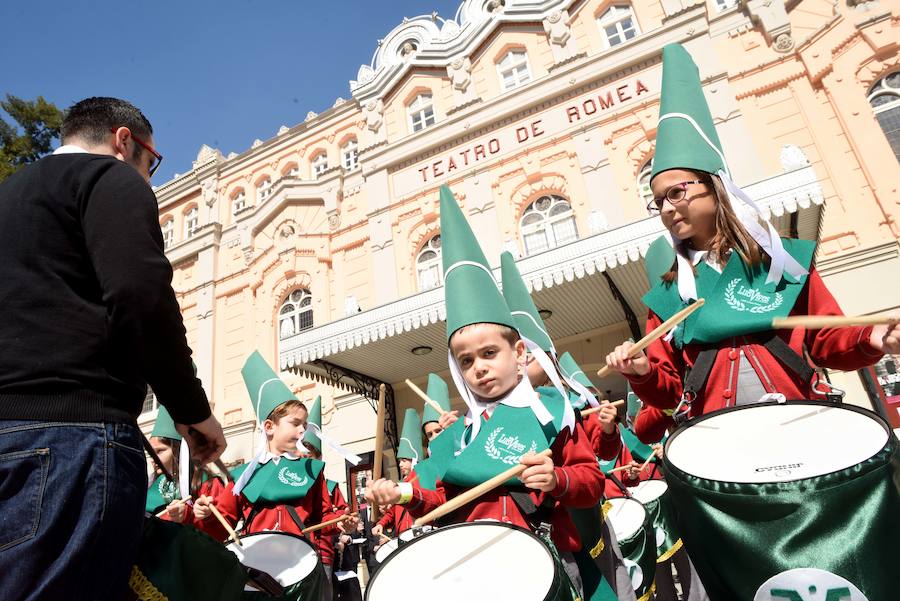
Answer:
(204, 72)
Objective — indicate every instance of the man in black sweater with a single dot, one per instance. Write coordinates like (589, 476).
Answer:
(88, 318)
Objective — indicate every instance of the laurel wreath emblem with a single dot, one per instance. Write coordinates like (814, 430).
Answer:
(739, 305)
(167, 490)
(494, 453)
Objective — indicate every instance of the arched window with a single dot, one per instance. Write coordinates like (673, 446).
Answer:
(514, 70)
(191, 222)
(428, 264)
(643, 183)
(546, 223)
(296, 314)
(292, 170)
(885, 100)
(350, 155)
(421, 112)
(168, 232)
(319, 164)
(238, 202)
(263, 189)
(618, 24)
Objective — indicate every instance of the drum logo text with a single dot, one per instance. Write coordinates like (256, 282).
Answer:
(508, 449)
(772, 468)
(750, 300)
(290, 478)
(808, 584)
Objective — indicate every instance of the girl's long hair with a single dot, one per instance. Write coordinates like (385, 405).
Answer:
(731, 235)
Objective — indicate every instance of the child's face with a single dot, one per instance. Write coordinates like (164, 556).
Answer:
(405, 466)
(490, 365)
(285, 435)
(165, 453)
(535, 372)
(432, 429)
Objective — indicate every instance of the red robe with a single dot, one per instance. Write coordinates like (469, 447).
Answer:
(845, 349)
(324, 538)
(211, 488)
(580, 484)
(312, 509)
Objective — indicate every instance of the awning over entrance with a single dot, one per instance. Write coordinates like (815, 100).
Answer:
(392, 342)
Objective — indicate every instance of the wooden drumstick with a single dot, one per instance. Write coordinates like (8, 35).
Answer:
(473, 493)
(658, 332)
(327, 523)
(425, 397)
(231, 533)
(166, 510)
(592, 410)
(646, 463)
(379, 445)
(816, 322)
(621, 468)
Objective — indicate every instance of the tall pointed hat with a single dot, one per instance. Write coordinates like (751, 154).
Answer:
(265, 388)
(524, 312)
(314, 424)
(686, 138)
(439, 393)
(574, 373)
(164, 425)
(410, 446)
(470, 290)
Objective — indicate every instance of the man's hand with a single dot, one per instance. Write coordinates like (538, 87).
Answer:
(205, 440)
(201, 507)
(539, 474)
(382, 492)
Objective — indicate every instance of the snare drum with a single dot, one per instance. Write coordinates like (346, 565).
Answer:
(652, 495)
(633, 529)
(288, 558)
(777, 500)
(475, 560)
(389, 547)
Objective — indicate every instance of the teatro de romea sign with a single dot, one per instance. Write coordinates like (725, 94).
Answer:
(546, 124)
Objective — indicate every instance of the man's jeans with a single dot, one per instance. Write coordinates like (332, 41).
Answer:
(71, 509)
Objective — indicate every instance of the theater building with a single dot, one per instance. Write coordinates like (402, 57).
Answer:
(320, 247)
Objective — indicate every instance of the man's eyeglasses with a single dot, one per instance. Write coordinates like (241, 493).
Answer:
(674, 194)
(157, 158)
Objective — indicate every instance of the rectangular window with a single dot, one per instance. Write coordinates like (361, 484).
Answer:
(514, 70)
(351, 157)
(421, 112)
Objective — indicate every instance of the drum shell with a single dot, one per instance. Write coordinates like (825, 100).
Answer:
(742, 534)
(662, 516)
(640, 548)
(559, 589)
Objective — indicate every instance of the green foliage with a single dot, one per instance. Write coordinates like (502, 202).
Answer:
(39, 120)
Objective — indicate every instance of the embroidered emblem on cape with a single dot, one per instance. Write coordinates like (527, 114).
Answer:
(808, 584)
(291, 478)
(508, 449)
(167, 490)
(747, 299)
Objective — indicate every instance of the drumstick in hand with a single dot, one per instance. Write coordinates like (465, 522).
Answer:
(379, 445)
(646, 463)
(166, 510)
(658, 332)
(817, 322)
(596, 409)
(231, 533)
(327, 523)
(473, 493)
(425, 397)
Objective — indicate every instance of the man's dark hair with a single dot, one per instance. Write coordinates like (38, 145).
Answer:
(92, 118)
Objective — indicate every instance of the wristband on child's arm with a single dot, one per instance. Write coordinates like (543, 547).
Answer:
(406, 492)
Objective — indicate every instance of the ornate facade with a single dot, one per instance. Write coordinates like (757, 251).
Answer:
(320, 245)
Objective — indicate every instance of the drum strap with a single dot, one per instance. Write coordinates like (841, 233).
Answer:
(295, 516)
(254, 511)
(534, 514)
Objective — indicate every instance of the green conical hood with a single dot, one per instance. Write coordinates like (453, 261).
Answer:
(470, 291)
(410, 446)
(659, 260)
(164, 425)
(679, 144)
(315, 417)
(438, 392)
(573, 371)
(528, 320)
(265, 388)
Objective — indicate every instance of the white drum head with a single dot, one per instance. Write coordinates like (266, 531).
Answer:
(649, 490)
(479, 560)
(286, 558)
(386, 549)
(776, 443)
(626, 517)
